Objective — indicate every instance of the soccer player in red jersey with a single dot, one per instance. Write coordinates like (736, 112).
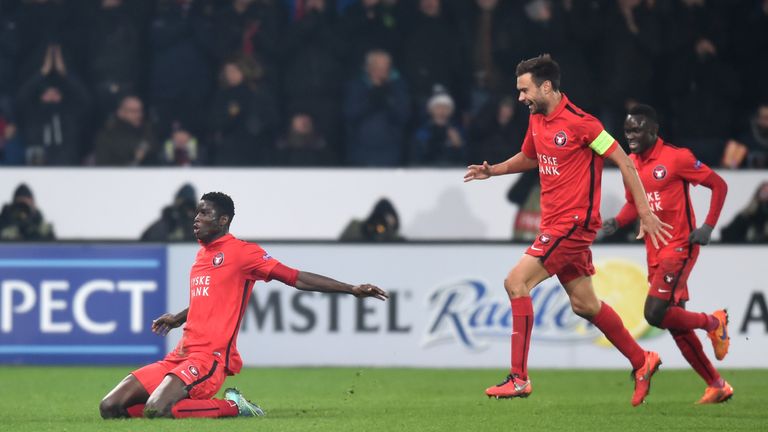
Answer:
(666, 172)
(221, 279)
(568, 147)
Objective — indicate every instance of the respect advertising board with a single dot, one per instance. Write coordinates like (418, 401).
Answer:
(81, 304)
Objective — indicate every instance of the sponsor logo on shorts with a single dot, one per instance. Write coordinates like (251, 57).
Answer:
(218, 259)
(697, 165)
(659, 172)
(669, 278)
(266, 257)
(560, 138)
(193, 371)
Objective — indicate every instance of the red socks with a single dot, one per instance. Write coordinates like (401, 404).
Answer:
(680, 319)
(186, 408)
(609, 322)
(204, 408)
(690, 346)
(522, 325)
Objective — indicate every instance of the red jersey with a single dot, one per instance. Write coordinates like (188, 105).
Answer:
(667, 173)
(220, 284)
(569, 145)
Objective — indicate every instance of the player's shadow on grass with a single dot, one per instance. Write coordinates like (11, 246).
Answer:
(451, 218)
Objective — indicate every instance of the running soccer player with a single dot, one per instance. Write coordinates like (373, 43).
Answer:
(666, 172)
(568, 147)
(221, 279)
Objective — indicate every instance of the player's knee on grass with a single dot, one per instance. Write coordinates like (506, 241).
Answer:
(157, 409)
(109, 409)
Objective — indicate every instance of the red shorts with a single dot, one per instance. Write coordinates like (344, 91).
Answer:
(668, 277)
(564, 252)
(202, 374)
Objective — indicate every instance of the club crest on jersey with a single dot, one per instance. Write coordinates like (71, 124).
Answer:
(218, 259)
(659, 172)
(669, 278)
(193, 371)
(560, 138)
(544, 238)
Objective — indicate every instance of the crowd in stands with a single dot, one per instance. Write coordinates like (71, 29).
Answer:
(379, 83)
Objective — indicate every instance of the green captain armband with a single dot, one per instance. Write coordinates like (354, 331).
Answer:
(602, 143)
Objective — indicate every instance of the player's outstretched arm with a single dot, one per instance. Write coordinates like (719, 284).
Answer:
(307, 281)
(650, 224)
(517, 163)
(166, 322)
(702, 234)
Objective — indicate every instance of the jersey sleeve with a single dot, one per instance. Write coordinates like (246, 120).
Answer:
(691, 169)
(596, 137)
(528, 148)
(257, 264)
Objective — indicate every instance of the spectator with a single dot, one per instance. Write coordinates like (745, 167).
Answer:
(303, 145)
(181, 149)
(114, 43)
(376, 108)
(435, 54)
(53, 107)
(181, 67)
(438, 142)
(41, 23)
(21, 220)
(175, 223)
(632, 43)
(369, 25)
(751, 225)
(703, 91)
(11, 148)
(382, 225)
(750, 150)
(250, 28)
(497, 132)
(126, 138)
(314, 75)
(244, 117)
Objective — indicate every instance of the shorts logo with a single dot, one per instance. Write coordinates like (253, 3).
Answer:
(669, 278)
(560, 139)
(544, 238)
(218, 259)
(697, 165)
(266, 257)
(659, 172)
(193, 371)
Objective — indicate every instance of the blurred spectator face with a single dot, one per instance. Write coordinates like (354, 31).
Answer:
(51, 95)
(131, 111)
(430, 7)
(180, 139)
(692, 3)
(441, 113)
(233, 76)
(762, 119)
(541, 10)
(315, 5)
(506, 112)
(378, 66)
(110, 4)
(370, 3)
(487, 5)
(302, 124)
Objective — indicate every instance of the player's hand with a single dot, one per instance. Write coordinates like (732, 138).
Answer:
(163, 324)
(657, 230)
(610, 226)
(368, 290)
(701, 235)
(478, 172)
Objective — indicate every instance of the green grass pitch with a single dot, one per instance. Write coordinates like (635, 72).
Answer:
(361, 399)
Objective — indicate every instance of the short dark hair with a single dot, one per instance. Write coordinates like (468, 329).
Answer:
(541, 68)
(645, 110)
(222, 203)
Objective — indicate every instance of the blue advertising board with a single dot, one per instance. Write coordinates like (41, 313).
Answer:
(81, 304)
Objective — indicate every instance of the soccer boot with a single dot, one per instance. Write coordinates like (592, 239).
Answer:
(511, 387)
(245, 407)
(719, 336)
(713, 395)
(643, 376)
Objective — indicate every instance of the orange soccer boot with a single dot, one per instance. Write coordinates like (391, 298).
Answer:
(719, 336)
(643, 376)
(511, 387)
